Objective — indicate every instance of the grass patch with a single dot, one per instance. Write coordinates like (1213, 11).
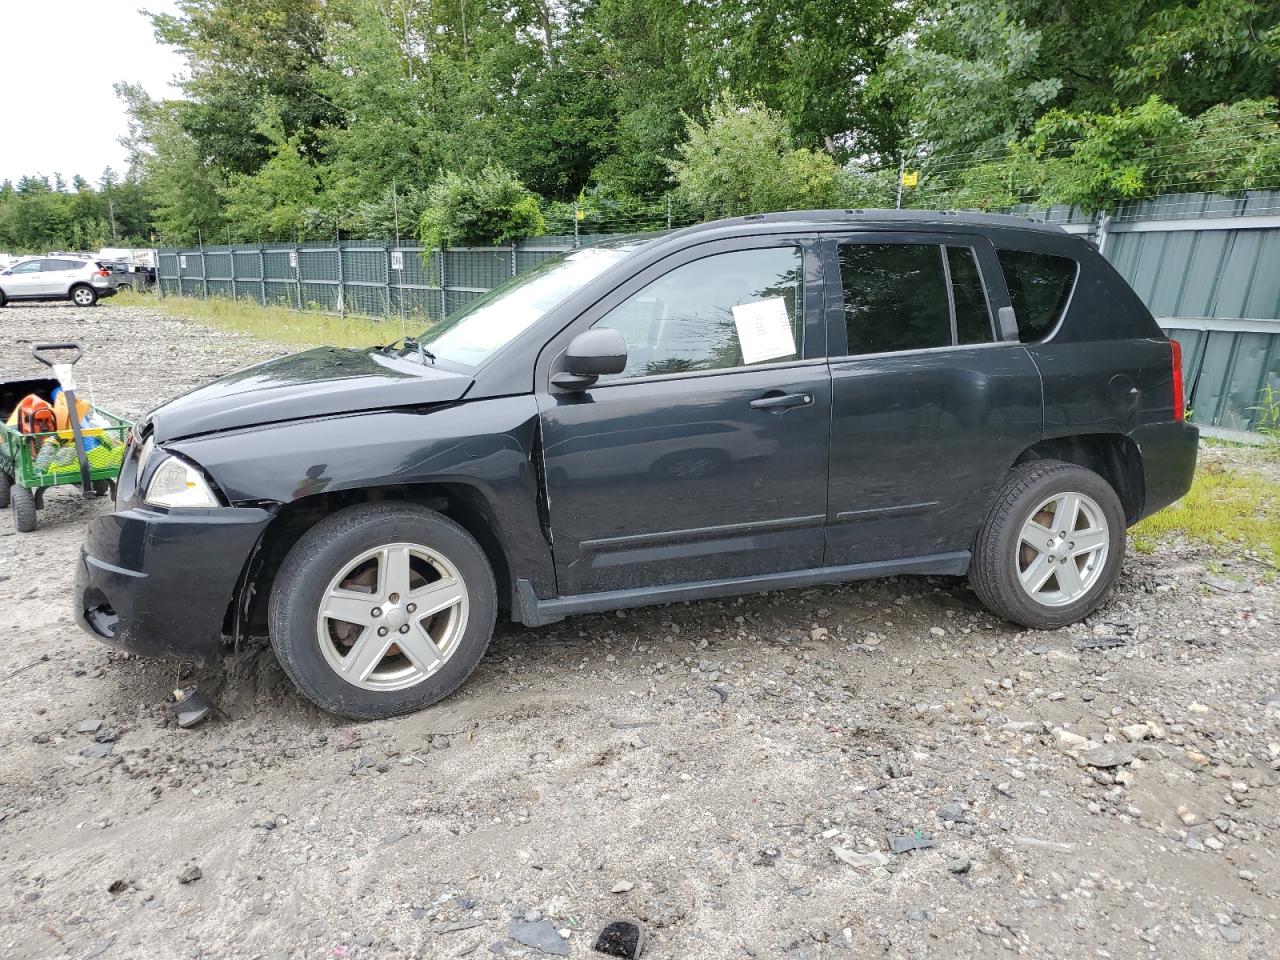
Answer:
(277, 324)
(1223, 507)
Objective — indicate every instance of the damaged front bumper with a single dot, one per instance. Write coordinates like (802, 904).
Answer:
(159, 583)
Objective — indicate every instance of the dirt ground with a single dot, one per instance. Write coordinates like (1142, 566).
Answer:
(717, 771)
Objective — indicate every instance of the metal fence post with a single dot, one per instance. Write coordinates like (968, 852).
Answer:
(204, 272)
(575, 222)
(262, 274)
(297, 273)
(155, 258)
(444, 299)
(232, 254)
(342, 293)
(668, 211)
(1103, 230)
(513, 258)
(386, 257)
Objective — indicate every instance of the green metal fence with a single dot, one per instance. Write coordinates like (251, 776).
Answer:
(1207, 265)
(356, 277)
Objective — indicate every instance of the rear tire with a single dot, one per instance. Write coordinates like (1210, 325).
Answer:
(383, 565)
(84, 295)
(6, 483)
(1025, 570)
(22, 503)
(3, 299)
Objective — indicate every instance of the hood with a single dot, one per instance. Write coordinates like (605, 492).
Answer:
(316, 383)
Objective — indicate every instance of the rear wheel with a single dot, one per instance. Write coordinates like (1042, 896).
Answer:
(1052, 546)
(6, 483)
(22, 504)
(382, 609)
(84, 295)
(3, 299)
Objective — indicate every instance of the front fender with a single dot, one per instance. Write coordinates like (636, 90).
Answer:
(484, 445)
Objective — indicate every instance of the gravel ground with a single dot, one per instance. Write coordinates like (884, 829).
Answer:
(726, 772)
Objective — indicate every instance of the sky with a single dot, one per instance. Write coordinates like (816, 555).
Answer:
(58, 61)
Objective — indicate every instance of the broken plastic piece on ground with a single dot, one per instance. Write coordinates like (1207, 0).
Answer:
(96, 751)
(621, 938)
(540, 935)
(902, 843)
(90, 725)
(190, 706)
(873, 859)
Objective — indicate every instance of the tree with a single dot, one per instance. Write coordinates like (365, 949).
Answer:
(744, 160)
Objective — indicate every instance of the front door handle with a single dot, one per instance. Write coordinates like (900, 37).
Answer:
(780, 402)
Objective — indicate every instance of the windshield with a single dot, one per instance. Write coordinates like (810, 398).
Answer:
(469, 335)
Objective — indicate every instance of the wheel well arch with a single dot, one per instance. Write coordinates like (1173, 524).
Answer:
(461, 502)
(1113, 456)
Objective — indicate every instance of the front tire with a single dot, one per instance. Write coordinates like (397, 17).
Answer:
(84, 295)
(22, 503)
(382, 609)
(1052, 546)
(6, 484)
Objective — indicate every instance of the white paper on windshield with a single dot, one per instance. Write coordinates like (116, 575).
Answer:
(764, 330)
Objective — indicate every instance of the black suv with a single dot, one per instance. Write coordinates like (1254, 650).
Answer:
(762, 402)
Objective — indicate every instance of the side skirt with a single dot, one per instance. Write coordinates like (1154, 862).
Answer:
(534, 612)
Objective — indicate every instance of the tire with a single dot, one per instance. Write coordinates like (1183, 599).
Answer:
(336, 663)
(22, 503)
(3, 299)
(83, 295)
(6, 483)
(1011, 555)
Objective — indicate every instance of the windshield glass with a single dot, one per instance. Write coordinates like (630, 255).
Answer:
(469, 335)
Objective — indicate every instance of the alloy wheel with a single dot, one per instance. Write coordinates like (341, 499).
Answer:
(1062, 549)
(392, 617)
(82, 297)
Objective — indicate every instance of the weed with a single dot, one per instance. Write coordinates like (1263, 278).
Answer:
(279, 324)
(1223, 507)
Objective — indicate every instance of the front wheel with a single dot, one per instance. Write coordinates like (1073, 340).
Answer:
(6, 484)
(382, 609)
(84, 296)
(1051, 548)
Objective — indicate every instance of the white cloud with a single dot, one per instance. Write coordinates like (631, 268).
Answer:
(58, 61)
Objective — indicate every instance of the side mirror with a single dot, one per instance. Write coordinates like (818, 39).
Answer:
(589, 356)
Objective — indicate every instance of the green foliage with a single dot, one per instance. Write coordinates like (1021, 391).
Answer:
(743, 160)
(273, 203)
(491, 207)
(36, 216)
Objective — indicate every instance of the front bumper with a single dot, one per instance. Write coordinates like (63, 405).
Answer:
(159, 583)
(1169, 452)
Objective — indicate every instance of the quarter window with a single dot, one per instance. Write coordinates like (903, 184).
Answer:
(729, 310)
(1039, 286)
(973, 316)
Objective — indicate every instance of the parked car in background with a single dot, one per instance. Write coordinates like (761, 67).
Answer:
(83, 282)
(130, 276)
(757, 403)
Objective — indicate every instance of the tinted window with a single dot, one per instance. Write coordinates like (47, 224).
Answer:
(1039, 286)
(973, 318)
(729, 310)
(66, 265)
(895, 297)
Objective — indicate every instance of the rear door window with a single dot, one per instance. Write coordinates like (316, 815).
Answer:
(1039, 285)
(912, 296)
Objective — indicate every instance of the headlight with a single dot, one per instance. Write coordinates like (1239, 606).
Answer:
(178, 484)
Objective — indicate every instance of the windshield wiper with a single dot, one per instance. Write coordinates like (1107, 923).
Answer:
(423, 353)
(410, 343)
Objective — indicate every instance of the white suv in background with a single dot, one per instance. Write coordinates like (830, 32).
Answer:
(82, 282)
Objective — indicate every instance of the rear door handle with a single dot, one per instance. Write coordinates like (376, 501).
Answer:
(778, 401)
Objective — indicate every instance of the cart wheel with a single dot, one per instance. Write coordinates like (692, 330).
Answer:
(23, 504)
(5, 484)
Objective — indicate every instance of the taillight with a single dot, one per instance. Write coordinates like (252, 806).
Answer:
(104, 273)
(1178, 398)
